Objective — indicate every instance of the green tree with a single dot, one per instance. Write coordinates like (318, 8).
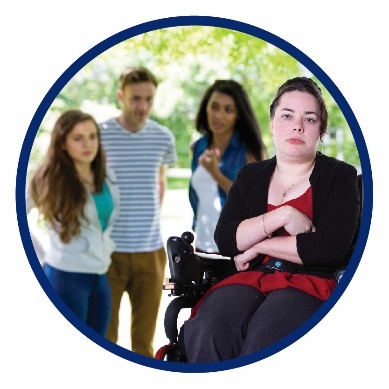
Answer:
(186, 60)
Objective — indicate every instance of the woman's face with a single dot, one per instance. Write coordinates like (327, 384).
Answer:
(82, 142)
(296, 126)
(222, 113)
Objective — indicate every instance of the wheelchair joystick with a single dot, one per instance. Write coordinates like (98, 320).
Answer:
(184, 265)
(187, 237)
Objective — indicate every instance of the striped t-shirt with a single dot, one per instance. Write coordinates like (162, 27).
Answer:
(136, 159)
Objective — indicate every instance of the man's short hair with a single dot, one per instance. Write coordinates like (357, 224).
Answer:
(136, 74)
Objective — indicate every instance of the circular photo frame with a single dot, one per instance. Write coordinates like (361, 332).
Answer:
(210, 22)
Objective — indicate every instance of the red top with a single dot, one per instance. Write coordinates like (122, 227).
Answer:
(266, 282)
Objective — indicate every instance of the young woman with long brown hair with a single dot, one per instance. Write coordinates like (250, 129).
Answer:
(78, 199)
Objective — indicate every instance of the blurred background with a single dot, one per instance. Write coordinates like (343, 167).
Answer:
(186, 60)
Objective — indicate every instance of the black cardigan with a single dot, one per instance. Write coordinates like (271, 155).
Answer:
(336, 207)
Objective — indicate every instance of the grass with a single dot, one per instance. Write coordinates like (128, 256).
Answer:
(178, 183)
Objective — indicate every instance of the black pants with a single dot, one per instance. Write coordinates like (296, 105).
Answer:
(236, 320)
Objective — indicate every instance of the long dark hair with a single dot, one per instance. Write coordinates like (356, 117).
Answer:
(246, 124)
(56, 188)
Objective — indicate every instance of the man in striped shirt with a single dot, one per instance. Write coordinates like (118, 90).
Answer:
(139, 151)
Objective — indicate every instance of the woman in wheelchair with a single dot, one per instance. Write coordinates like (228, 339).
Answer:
(288, 222)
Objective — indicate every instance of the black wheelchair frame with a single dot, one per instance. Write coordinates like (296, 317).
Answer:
(193, 273)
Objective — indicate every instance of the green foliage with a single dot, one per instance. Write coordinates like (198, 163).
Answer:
(186, 60)
(178, 183)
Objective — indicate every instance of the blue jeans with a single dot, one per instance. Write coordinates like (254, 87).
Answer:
(87, 295)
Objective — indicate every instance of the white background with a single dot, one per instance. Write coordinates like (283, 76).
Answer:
(39, 40)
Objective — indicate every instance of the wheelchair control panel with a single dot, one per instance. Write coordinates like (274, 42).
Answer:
(191, 273)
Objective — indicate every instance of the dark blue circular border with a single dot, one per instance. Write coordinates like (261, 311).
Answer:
(175, 22)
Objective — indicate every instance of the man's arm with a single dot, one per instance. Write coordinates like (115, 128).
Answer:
(162, 182)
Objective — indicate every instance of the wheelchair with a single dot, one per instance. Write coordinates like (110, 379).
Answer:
(193, 273)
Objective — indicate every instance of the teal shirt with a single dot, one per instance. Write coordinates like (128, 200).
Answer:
(104, 205)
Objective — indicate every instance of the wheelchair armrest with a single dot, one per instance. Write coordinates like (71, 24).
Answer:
(212, 262)
(172, 312)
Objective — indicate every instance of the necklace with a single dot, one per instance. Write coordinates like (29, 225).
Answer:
(301, 178)
(286, 191)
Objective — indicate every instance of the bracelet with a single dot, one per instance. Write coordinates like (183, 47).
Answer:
(263, 225)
